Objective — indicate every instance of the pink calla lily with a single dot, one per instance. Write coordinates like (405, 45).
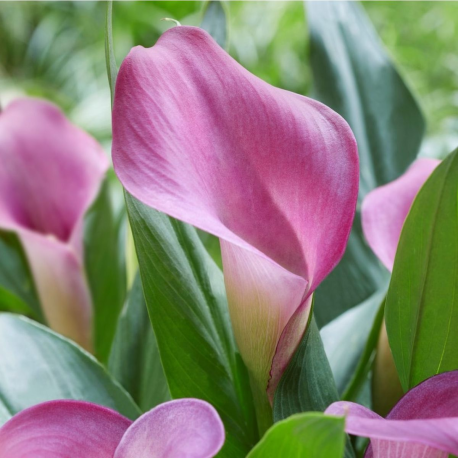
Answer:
(184, 428)
(273, 174)
(385, 209)
(424, 423)
(50, 174)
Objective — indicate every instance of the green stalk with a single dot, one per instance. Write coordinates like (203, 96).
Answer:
(263, 409)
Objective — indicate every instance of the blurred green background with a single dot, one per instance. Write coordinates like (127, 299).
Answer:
(56, 50)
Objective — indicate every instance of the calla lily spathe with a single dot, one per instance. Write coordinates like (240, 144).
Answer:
(184, 428)
(385, 209)
(273, 174)
(50, 174)
(424, 423)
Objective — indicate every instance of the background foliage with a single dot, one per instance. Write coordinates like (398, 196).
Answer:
(56, 49)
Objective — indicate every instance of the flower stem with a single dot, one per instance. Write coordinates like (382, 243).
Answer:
(263, 409)
(177, 23)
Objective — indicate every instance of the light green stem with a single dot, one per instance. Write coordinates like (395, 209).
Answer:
(171, 20)
(264, 414)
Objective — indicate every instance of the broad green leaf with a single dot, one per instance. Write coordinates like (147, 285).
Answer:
(9, 302)
(307, 435)
(355, 279)
(185, 296)
(345, 338)
(353, 75)
(17, 288)
(38, 365)
(112, 68)
(105, 267)
(215, 22)
(308, 383)
(422, 303)
(135, 361)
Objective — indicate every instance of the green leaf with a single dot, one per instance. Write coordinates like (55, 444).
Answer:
(215, 22)
(112, 68)
(135, 361)
(39, 365)
(354, 76)
(17, 288)
(185, 296)
(347, 338)
(105, 267)
(306, 435)
(359, 268)
(308, 383)
(422, 302)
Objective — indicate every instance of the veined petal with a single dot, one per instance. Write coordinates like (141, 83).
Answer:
(289, 341)
(263, 297)
(51, 172)
(197, 136)
(424, 423)
(63, 429)
(385, 209)
(183, 428)
(273, 174)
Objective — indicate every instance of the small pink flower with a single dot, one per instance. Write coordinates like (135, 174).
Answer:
(50, 174)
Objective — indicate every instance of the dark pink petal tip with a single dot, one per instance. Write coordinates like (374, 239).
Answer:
(183, 428)
(385, 209)
(63, 429)
(424, 423)
(273, 174)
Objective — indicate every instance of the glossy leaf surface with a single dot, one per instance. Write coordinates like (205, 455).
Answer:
(105, 269)
(308, 383)
(354, 76)
(134, 360)
(38, 365)
(309, 435)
